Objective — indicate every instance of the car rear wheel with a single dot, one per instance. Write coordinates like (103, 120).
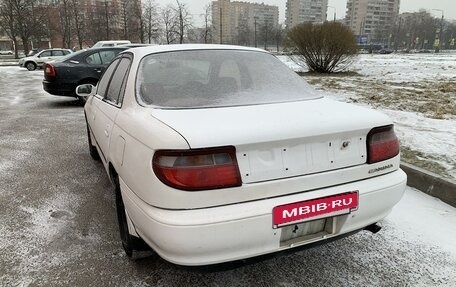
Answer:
(134, 247)
(30, 66)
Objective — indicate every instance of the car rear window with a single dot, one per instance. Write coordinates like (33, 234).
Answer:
(217, 78)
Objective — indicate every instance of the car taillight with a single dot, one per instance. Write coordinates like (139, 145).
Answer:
(198, 169)
(49, 70)
(382, 144)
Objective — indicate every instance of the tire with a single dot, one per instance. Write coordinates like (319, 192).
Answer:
(134, 247)
(30, 66)
(92, 149)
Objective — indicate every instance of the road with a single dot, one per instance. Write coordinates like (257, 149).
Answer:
(58, 224)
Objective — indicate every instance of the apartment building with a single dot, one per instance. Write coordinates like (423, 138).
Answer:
(373, 19)
(305, 11)
(243, 23)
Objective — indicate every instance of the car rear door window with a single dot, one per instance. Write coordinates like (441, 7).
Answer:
(118, 82)
(93, 59)
(105, 79)
(107, 56)
(57, 53)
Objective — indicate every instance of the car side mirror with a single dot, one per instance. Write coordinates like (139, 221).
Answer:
(85, 91)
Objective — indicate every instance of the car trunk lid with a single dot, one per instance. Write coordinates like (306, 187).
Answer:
(283, 140)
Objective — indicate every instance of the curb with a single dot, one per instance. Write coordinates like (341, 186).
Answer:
(430, 183)
(9, 64)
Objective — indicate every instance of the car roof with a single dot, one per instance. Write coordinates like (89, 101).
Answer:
(142, 51)
(121, 47)
(56, 49)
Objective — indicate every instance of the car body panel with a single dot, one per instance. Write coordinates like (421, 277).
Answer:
(271, 140)
(233, 232)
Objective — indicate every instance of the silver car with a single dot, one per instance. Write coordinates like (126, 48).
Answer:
(38, 60)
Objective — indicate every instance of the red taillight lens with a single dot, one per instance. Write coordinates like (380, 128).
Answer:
(49, 70)
(382, 144)
(198, 169)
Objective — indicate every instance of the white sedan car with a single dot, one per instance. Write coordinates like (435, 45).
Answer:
(220, 153)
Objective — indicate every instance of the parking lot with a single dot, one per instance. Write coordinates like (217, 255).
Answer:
(58, 224)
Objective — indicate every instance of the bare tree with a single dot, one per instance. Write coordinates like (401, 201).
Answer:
(107, 13)
(169, 24)
(79, 22)
(150, 20)
(267, 33)
(66, 23)
(183, 20)
(243, 32)
(125, 17)
(8, 23)
(207, 23)
(279, 35)
(29, 19)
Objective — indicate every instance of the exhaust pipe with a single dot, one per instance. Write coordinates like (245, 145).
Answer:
(374, 228)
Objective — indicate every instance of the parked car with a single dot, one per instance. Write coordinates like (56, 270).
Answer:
(384, 51)
(83, 67)
(6, 52)
(111, 43)
(38, 60)
(220, 153)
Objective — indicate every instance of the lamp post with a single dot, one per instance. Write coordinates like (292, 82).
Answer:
(439, 33)
(334, 11)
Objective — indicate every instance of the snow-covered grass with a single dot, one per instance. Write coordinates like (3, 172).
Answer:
(418, 91)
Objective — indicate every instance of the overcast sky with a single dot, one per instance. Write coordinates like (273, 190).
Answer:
(449, 6)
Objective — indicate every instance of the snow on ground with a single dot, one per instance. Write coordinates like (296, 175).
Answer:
(434, 137)
(423, 219)
(57, 223)
(407, 67)
(418, 91)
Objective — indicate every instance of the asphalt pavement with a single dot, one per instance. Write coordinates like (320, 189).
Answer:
(58, 224)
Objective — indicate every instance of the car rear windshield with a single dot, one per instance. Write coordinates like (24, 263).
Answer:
(217, 78)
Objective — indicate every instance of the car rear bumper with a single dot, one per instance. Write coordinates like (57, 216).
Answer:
(227, 233)
(59, 89)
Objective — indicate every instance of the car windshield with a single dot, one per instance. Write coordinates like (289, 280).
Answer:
(217, 78)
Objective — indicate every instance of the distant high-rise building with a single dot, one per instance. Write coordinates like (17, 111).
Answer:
(373, 18)
(243, 23)
(305, 11)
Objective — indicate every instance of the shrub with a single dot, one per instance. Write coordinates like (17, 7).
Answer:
(324, 48)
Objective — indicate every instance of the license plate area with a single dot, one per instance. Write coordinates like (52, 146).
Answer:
(296, 234)
(315, 209)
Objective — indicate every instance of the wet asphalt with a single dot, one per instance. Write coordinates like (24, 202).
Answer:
(58, 224)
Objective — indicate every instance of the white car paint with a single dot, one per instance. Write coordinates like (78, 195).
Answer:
(42, 57)
(287, 152)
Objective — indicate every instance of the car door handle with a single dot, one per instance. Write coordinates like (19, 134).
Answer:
(98, 70)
